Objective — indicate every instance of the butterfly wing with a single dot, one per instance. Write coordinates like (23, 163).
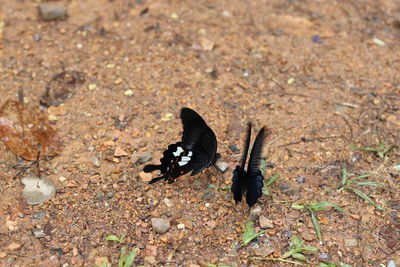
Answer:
(174, 163)
(199, 139)
(255, 180)
(239, 183)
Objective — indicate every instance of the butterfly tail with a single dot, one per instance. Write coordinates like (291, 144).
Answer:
(151, 167)
(238, 184)
(255, 183)
(157, 179)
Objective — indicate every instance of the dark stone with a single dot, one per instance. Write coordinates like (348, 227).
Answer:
(234, 148)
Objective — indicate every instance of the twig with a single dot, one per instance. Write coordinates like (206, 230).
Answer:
(304, 140)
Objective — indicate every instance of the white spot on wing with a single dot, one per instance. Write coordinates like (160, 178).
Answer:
(184, 158)
(178, 151)
(190, 154)
(181, 163)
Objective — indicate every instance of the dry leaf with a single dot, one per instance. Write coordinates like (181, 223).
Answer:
(62, 87)
(25, 130)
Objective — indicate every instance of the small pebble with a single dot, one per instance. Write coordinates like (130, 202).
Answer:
(301, 180)
(38, 215)
(391, 263)
(14, 246)
(255, 212)
(92, 86)
(128, 92)
(325, 257)
(265, 223)
(146, 177)
(226, 14)
(350, 242)
(37, 37)
(316, 39)
(145, 157)
(234, 148)
(52, 12)
(269, 165)
(38, 233)
(168, 202)
(160, 225)
(222, 166)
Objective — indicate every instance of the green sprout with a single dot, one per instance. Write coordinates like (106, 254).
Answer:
(270, 181)
(349, 185)
(296, 251)
(125, 259)
(313, 208)
(249, 233)
(381, 150)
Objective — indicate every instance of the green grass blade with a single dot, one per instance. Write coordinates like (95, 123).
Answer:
(272, 179)
(315, 223)
(263, 167)
(363, 176)
(296, 242)
(371, 149)
(265, 191)
(225, 188)
(344, 176)
(309, 248)
(130, 258)
(367, 183)
(365, 197)
(288, 253)
(113, 238)
(354, 147)
(122, 256)
(249, 233)
(298, 207)
(299, 256)
(324, 204)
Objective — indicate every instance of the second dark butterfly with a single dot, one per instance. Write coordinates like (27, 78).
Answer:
(251, 181)
(196, 151)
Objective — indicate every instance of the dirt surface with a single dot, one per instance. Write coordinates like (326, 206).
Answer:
(321, 75)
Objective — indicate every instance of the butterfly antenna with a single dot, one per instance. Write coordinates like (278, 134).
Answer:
(246, 145)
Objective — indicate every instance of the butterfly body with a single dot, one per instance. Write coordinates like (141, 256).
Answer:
(196, 152)
(249, 182)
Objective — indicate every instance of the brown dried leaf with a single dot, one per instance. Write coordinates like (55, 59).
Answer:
(62, 87)
(26, 131)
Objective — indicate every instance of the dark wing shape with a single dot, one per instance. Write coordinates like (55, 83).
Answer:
(255, 183)
(255, 155)
(198, 138)
(238, 183)
(255, 180)
(246, 145)
(193, 127)
(239, 179)
(170, 167)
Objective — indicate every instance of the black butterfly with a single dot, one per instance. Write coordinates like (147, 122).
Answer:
(252, 180)
(196, 151)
